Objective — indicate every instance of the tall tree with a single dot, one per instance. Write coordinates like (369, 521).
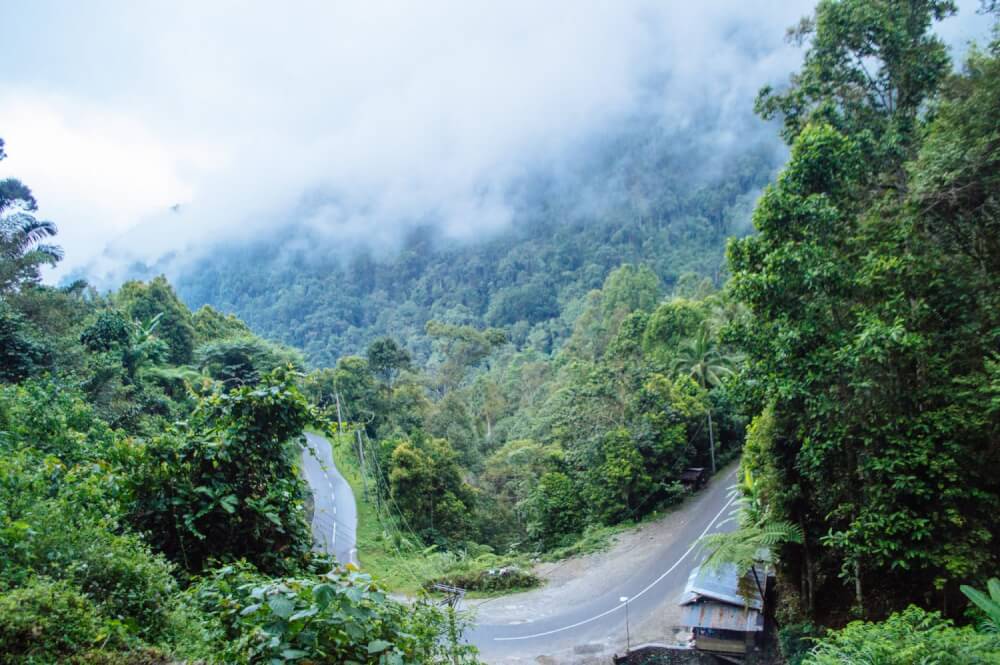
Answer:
(386, 359)
(145, 301)
(23, 250)
(869, 69)
(870, 339)
(703, 360)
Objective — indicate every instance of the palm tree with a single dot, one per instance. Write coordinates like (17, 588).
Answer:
(22, 246)
(703, 360)
(22, 249)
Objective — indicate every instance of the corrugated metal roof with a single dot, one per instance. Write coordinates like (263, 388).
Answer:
(721, 616)
(722, 584)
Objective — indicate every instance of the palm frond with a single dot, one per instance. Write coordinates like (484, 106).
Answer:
(52, 253)
(990, 605)
(32, 231)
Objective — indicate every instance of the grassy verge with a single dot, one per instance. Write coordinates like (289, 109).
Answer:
(395, 560)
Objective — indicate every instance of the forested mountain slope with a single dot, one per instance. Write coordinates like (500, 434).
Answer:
(645, 194)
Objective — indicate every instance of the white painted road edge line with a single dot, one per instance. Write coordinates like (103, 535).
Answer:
(632, 599)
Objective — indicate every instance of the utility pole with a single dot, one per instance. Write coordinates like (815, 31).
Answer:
(711, 440)
(628, 636)
(361, 457)
(340, 419)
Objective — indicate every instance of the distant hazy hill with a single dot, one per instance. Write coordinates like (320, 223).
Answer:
(664, 199)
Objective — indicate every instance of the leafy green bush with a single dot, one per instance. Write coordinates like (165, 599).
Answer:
(341, 616)
(911, 637)
(20, 353)
(795, 640)
(48, 621)
(224, 486)
(55, 522)
(53, 419)
(987, 605)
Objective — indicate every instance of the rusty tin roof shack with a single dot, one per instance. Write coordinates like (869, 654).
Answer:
(726, 585)
(724, 610)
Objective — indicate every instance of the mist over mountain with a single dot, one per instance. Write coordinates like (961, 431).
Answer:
(202, 125)
(646, 194)
(225, 140)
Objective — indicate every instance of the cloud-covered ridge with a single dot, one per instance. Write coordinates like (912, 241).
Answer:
(380, 114)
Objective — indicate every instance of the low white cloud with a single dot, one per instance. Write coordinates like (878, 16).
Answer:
(389, 112)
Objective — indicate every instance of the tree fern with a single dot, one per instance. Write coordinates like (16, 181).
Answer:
(757, 537)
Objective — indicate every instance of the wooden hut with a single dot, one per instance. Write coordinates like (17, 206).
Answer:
(724, 610)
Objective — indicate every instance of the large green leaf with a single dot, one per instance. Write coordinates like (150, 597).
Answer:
(281, 606)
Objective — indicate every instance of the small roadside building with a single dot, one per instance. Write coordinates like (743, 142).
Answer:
(724, 610)
(694, 478)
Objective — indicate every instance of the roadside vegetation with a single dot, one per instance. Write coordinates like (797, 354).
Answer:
(151, 509)
(396, 558)
(539, 400)
(871, 367)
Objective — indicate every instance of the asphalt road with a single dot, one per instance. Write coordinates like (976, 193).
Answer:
(597, 620)
(335, 515)
(600, 621)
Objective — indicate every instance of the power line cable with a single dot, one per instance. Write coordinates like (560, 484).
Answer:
(402, 559)
(378, 466)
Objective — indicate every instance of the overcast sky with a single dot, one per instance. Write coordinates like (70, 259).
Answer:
(114, 112)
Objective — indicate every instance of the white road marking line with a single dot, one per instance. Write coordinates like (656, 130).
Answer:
(633, 598)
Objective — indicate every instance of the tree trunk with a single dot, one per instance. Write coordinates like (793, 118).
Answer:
(857, 588)
(711, 441)
(810, 575)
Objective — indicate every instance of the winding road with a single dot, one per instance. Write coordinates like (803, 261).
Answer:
(335, 515)
(579, 620)
(583, 624)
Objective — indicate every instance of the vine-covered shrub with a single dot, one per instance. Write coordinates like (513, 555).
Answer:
(49, 621)
(46, 621)
(500, 578)
(341, 616)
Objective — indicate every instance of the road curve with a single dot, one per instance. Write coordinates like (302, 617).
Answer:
(335, 515)
(600, 621)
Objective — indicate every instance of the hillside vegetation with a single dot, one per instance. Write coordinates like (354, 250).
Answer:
(151, 507)
(514, 398)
